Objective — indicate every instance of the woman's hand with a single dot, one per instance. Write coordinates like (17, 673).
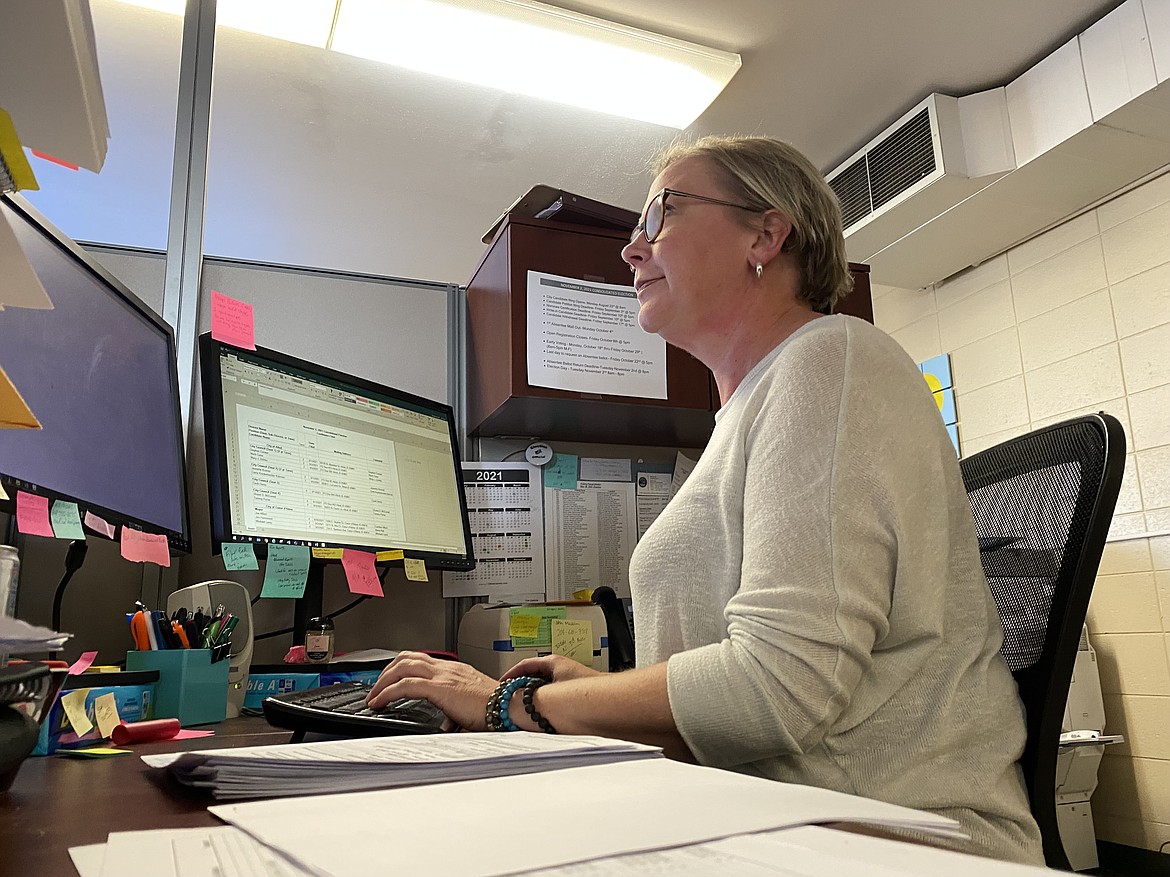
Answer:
(456, 688)
(558, 668)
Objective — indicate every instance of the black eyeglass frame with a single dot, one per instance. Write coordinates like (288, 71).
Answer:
(643, 226)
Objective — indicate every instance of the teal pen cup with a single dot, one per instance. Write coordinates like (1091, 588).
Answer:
(191, 687)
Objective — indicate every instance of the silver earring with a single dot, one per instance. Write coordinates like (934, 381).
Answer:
(759, 270)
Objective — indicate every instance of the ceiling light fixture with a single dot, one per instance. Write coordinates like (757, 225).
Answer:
(296, 21)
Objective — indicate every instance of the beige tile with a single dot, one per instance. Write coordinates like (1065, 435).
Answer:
(899, 308)
(996, 408)
(1059, 280)
(1122, 557)
(1157, 521)
(1127, 526)
(1146, 359)
(1133, 788)
(1117, 721)
(1126, 603)
(1074, 383)
(1052, 242)
(1133, 663)
(1154, 477)
(976, 316)
(877, 290)
(920, 338)
(1147, 726)
(1117, 407)
(1162, 586)
(986, 361)
(965, 283)
(1160, 552)
(1129, 205)
(1149, 417)
(1131, 832)
(1137, 244)
(973, 444)
(1142, 301)
(1129, 499)
(1082, 325)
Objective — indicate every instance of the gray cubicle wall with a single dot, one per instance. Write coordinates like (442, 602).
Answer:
(390, 331)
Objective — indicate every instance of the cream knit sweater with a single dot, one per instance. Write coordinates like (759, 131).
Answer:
(817, 590)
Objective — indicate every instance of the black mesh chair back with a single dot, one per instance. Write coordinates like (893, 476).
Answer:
(1043, 503)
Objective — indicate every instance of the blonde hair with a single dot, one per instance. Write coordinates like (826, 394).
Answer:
(763, 174)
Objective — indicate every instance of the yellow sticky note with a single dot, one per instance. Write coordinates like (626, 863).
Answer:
(105, 710)
(94, 752)
(585, 595)
(573, 639)
(74, 705)
(14, 412)
(328, 553)
(524, 626)
(416, 570)
(389, 554)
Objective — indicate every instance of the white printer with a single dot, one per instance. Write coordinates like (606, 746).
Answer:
(486, 643)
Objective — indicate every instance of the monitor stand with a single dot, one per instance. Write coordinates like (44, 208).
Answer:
(309, 605)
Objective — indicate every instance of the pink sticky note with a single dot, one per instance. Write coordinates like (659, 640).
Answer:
(32, 514)
(231, 321)
(99, 525)
(360, 572)
(185, 734)
(82, 664)
(140, 547)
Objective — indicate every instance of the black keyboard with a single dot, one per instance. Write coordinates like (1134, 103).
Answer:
(341, 710)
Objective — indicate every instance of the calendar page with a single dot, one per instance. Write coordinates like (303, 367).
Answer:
(507, 531)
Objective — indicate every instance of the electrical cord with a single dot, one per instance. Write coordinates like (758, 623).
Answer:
(330, 616)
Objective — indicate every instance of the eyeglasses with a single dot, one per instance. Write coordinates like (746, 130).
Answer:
(655, 216)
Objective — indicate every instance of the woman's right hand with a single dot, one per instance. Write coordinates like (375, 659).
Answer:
(558, 668)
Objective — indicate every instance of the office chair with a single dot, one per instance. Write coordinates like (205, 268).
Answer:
(1043, 503)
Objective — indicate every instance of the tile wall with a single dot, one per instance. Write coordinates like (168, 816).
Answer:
(1078, 320)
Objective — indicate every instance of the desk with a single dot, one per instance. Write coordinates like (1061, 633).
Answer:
(59, 802)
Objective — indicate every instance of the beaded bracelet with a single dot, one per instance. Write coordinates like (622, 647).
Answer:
(496, 714)
(529, 690)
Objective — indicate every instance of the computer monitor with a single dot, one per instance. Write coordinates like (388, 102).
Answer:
(300, 454)
(98, 370)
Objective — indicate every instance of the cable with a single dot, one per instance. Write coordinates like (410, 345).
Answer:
(330, 616)
(74, 558)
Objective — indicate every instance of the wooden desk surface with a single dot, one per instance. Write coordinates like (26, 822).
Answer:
(58, 802)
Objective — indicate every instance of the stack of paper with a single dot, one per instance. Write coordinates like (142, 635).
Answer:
(386, 762)
(21, 638)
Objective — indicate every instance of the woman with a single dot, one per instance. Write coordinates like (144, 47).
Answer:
(811, 605)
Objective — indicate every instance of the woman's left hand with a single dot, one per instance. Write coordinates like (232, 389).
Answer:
(456, 688)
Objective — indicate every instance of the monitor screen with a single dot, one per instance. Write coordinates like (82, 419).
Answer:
(300, 454)
(98, 371)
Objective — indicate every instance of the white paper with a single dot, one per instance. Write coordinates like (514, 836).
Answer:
(88, 859)
(682, 471)
(507, 531)
(604, 469)
(674, 804)
(223, 851)
(653, 495)
(21, 287)
(584, 336)
(591, 532)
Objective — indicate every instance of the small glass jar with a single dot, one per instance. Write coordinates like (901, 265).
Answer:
(319, 641)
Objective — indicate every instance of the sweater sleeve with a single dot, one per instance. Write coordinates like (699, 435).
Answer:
(819, 556)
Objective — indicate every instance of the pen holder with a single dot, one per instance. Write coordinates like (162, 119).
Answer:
(191, 688)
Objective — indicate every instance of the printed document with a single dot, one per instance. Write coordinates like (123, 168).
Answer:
(591, 533)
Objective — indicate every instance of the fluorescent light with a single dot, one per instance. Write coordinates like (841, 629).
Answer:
(296, 21)
(534, 49)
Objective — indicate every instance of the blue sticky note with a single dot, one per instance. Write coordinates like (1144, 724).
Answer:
(945, 399)
(940, 367)
(239, 555)
(561, 473)
(286, 572)
(66, 520)
(953, 432)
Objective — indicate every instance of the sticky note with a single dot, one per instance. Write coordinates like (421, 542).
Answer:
(573, 639)
(22, 286)
(73, 703)
(327, 553)
(561, 473)
(390, 554)
(14, 411)
(584, 595)
(145, 547)
(360, 572)
(286, 572)
(191, 734)
(524, 626)
(232, 322)
(542, 637)
(416, 570)
(239, 555)
(99, 525)
(82, 664)
(94, 752)
(66, 520)
(105, 710)
(3, 495)
(32, 514)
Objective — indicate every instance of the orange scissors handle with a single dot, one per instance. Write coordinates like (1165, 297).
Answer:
(181, 634)
(138, 631)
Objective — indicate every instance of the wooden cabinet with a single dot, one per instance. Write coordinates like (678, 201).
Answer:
(501, 402)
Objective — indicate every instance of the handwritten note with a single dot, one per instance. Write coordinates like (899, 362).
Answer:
(561, 473)
(286, 572)
(328, 553)
(416, 570)
(390, 554)
(232, 321)
(239, 555)
(99, 525)
(66, 520)
(524, 626)
(573, 639)
(32, 514)
(82, 664)
(360, 572)
(73, 703)
(541, 636)
(105, 710)
(145, 547)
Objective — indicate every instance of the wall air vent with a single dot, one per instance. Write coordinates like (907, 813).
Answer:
(902, 160)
